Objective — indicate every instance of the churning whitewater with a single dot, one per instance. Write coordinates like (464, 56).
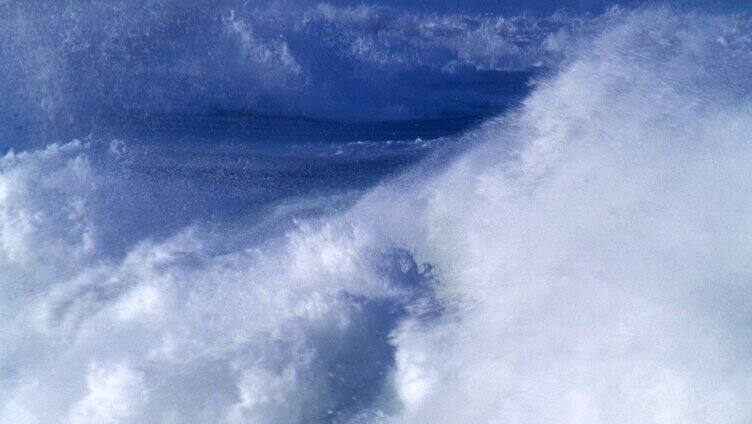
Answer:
(578, 250)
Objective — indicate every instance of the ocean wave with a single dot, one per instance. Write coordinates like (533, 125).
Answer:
(584, 258)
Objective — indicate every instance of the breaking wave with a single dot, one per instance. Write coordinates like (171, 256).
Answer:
(581, 258)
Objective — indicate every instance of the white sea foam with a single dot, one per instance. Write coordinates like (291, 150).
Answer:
(600, 274)
(585, 261)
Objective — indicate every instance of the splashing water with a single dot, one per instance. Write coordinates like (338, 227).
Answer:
(583, 257)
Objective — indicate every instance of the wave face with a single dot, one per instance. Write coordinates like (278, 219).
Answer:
(582, 257)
